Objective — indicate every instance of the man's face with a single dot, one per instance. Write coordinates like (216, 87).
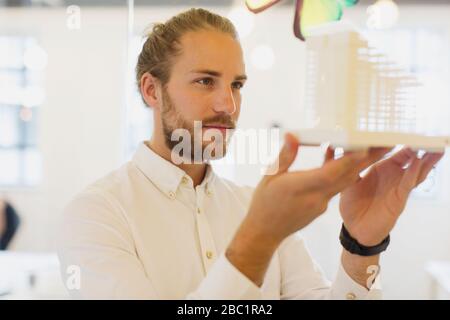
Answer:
(204, 85)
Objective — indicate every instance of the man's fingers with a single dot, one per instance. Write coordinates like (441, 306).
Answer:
(411, 175)
(418, 170)
(402, 157)
(339, 174)
(356, 161)
(329, 155)
(376, 154)
(286, 157)
(429, 161)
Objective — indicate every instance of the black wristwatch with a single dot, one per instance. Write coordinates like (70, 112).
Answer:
(351, 245)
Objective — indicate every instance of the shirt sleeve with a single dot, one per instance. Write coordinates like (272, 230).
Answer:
(344, 287)
(96, 240)
(302, 278)
(225, 281)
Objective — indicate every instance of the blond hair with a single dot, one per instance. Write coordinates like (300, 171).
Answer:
(162, 43)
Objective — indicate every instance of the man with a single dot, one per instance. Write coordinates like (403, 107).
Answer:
(159, 228)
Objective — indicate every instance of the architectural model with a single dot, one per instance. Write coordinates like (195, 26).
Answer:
(356, 97)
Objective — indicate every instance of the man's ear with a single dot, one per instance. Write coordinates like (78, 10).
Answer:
(151, 90)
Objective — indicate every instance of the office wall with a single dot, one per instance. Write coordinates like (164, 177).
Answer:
(82, 118)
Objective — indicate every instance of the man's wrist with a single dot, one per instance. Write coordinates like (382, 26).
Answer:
(353, 246)
(360, 268)
(248, 242)
(250, 252)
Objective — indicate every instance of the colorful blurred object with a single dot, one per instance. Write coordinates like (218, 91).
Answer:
(256, 6)
(308, 13)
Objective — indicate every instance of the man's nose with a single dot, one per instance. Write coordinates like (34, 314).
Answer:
(225, 102)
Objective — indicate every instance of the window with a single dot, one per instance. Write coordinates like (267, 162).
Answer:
(21, 74)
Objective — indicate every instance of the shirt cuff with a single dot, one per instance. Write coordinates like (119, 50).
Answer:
(344, 287)
(225, 282)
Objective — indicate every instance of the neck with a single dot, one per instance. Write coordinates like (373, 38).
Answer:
(197, 172)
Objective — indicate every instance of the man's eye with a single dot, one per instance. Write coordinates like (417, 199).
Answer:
(205, 81)
(237, 85)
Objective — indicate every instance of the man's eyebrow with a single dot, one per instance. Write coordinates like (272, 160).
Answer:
(218, 74)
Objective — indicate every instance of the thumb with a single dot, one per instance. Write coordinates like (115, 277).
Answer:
(286, 157)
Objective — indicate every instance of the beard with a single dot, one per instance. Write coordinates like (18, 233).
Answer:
(203, 147)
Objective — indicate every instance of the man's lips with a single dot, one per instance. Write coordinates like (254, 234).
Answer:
(224, 130)
(220, 127)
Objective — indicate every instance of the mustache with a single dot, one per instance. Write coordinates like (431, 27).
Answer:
(220, 120)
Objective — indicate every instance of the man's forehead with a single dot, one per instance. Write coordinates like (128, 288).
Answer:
(207, 42)
(210, 50)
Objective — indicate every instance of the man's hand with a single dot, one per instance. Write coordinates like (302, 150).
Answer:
(286, 202)
(371, 206)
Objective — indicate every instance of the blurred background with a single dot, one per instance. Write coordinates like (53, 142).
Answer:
(70, 113)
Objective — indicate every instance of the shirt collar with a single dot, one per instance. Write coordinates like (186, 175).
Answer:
(165, 175)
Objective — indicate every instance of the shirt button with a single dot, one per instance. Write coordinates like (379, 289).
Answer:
(208, 192)
(209, 254)
(199, 210)
(351, 296)
(184, 180)
(171, 195)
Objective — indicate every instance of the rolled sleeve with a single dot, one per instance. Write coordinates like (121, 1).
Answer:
(344, 287)
(225, 282)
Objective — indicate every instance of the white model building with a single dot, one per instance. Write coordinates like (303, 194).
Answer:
(357, 98)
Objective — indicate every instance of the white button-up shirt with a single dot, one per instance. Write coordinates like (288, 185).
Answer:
(144, 232)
